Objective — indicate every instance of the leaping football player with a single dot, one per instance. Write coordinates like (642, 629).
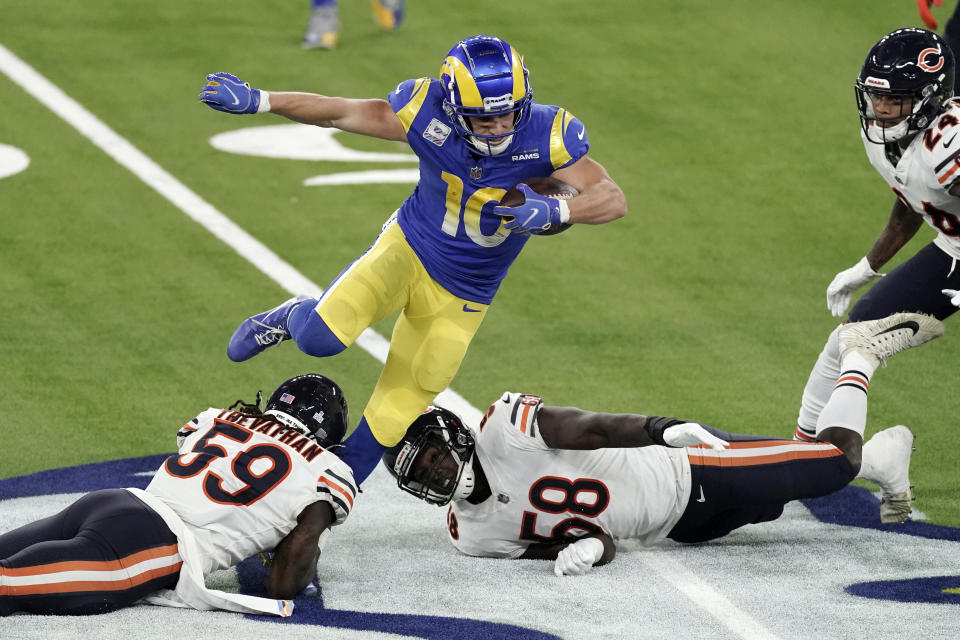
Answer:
(909, 127)
(442, 255)
(560, 483)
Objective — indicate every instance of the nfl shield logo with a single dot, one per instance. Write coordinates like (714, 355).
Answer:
(476, 173)
(286, 397)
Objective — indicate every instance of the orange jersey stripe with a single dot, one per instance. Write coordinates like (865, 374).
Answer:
(338, 488)
(780, 451)
(523, 418)
(94, 565)
(90, 585)
(949, 173)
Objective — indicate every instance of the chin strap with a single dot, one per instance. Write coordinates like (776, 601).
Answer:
(467, 482)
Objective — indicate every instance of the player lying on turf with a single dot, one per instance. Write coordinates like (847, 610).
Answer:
(243, 482)
(561, 483)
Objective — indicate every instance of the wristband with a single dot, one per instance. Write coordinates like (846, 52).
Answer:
(564, 211)
(264, 102)
(655, 427)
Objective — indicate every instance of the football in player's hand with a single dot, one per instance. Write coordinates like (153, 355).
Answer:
(546, 187)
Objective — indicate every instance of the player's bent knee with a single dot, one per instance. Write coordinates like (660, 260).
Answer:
(313, 336)
(850, 442)
(320, 343)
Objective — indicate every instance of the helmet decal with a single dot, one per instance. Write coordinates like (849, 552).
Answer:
(880, 83)
(927, 65)
(314, 404)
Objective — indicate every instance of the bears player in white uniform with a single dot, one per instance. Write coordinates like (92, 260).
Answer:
(440, 259)
(909, 127)
(243, 482)
(546, 482)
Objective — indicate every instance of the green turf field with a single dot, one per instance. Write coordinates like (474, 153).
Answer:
(731, 127)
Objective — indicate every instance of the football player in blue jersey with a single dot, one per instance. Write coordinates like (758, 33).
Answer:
(442, 255)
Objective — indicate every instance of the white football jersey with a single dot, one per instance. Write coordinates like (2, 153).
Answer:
(541, 494)
(240, 482)
(928, 167)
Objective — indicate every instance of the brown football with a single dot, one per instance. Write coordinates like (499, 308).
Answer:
(546, 187)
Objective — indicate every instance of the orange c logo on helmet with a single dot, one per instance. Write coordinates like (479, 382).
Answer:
(926, 66)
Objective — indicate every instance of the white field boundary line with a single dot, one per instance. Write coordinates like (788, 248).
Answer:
(294, 282)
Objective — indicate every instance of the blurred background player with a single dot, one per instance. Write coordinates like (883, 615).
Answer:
(951, 31)
(323, 29)
(442, 255)
(243, 482)
(543, 482)
(909, 128)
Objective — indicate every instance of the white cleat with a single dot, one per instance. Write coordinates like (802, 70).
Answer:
(886, 461)
(880, 339)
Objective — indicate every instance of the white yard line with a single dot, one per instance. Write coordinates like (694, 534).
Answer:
(295, 282)
(705, 597)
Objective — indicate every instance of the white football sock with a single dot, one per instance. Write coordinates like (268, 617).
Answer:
(847, 406)
(820, 384)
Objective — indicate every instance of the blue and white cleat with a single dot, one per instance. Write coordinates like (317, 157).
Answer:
(388, 13)
(263, 330)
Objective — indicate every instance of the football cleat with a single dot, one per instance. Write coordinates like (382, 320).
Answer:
(323, 30)
(388, 13)
(263, 330)
(880, 339)
(888, 453)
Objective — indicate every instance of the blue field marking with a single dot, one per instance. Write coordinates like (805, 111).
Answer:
(857, 507)
(309, 610)
(84, 478)
(940, 589)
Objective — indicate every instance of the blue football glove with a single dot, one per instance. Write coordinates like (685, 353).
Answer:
(537, 214)
(226, 92)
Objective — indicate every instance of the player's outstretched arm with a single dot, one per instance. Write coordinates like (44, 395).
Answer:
(228, 93)
(573, 428)
(295, 561)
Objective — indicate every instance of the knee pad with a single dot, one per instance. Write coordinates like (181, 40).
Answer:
(438, 359)
(312, 334)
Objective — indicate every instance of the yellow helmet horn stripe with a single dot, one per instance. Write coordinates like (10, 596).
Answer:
(469, 93)
(519, 86)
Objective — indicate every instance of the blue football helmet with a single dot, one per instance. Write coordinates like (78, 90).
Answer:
(313, 404)
(913, 65)
(484, 76)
